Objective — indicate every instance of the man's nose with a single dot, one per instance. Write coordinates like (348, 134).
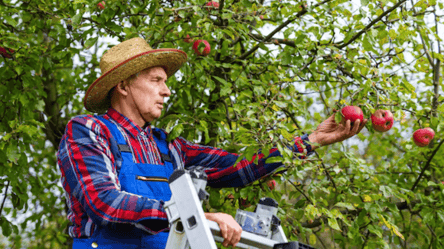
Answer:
(165, 91)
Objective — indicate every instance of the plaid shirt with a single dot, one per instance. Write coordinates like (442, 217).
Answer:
(89, 172)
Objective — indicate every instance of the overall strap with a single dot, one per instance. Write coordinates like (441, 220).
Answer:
(121, 143)
(160, 138)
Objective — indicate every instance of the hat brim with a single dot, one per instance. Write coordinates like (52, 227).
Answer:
(96, 97)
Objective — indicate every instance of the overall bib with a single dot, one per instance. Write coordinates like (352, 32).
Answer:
(147, 180)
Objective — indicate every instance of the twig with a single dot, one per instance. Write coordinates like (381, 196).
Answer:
(300, 191)
(426, 51)
(4, 199)
(427, 165)
(326, 172)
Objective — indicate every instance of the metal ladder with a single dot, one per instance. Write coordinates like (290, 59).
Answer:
(190, 229)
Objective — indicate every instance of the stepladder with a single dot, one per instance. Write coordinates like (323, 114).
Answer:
(189, 229)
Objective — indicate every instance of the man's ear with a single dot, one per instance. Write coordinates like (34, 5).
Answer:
(122, 88)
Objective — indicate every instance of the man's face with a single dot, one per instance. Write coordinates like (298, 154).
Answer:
(146, 93)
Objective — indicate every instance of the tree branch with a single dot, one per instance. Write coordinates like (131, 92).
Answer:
(426, 51)
(436, 75)
(300, 191)
(4, 199)
(426, 166)
(279, 28)
(326, 172)
(371, 24)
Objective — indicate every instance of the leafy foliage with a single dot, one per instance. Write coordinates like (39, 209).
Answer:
(276, 70)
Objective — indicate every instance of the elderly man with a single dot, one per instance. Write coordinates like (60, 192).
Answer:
(115, 166)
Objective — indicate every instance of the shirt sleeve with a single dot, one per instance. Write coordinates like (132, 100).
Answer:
(218, 163)
(88, 166)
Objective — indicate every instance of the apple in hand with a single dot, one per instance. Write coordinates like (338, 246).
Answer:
(101, 5)
(382, 120)
(422, 137)
(352, 113)
(202, 50)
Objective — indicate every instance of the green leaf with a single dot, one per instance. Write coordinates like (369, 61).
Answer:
(76, 19)
(333, 223)
(12, 153)
(364, 2)
(221, 80)
(349, 206)
(90, 42)
(177, 130)
(375, 230)
(11, 21)
(338, 117)
(440, 214)
(214, 199)
(204, 125)
(6, 226)
(18, 69)
(275, 159)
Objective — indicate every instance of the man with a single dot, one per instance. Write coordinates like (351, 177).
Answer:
(115, 166)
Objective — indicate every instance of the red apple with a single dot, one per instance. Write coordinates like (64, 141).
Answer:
(352, 113)
(188, 39)
(214, 4)
(271, 184)
(382, 120)
(6, 53)
(101, 5)
(422, 137)
(261, 17)
(200, 50)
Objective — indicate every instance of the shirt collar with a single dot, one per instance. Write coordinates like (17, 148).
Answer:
(127, 124)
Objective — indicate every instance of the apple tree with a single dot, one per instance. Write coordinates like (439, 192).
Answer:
(268, 71)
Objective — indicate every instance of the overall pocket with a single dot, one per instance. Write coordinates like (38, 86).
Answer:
(149, 180)
(154, 187)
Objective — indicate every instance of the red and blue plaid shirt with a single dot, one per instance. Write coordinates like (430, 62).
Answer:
(89, 171)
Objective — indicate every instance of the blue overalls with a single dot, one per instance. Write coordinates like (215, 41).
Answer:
(148, 180)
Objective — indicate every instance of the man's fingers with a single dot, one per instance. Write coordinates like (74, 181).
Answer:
(356, 126)
(347, 126)
(236, 236)
(224, 233)
(230, 230)
(362, 125)
(229, 237)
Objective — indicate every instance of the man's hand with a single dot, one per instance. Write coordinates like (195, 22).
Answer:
(231, 231)
(329, 132)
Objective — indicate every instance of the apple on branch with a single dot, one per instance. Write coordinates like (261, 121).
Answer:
(271, 184)
(6, 52)
(382, 120)
(422, 137)
(201, 47)
(188, 39)
(101, 5)
(214, 4)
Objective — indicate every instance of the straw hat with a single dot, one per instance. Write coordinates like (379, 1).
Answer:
(124, 60)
